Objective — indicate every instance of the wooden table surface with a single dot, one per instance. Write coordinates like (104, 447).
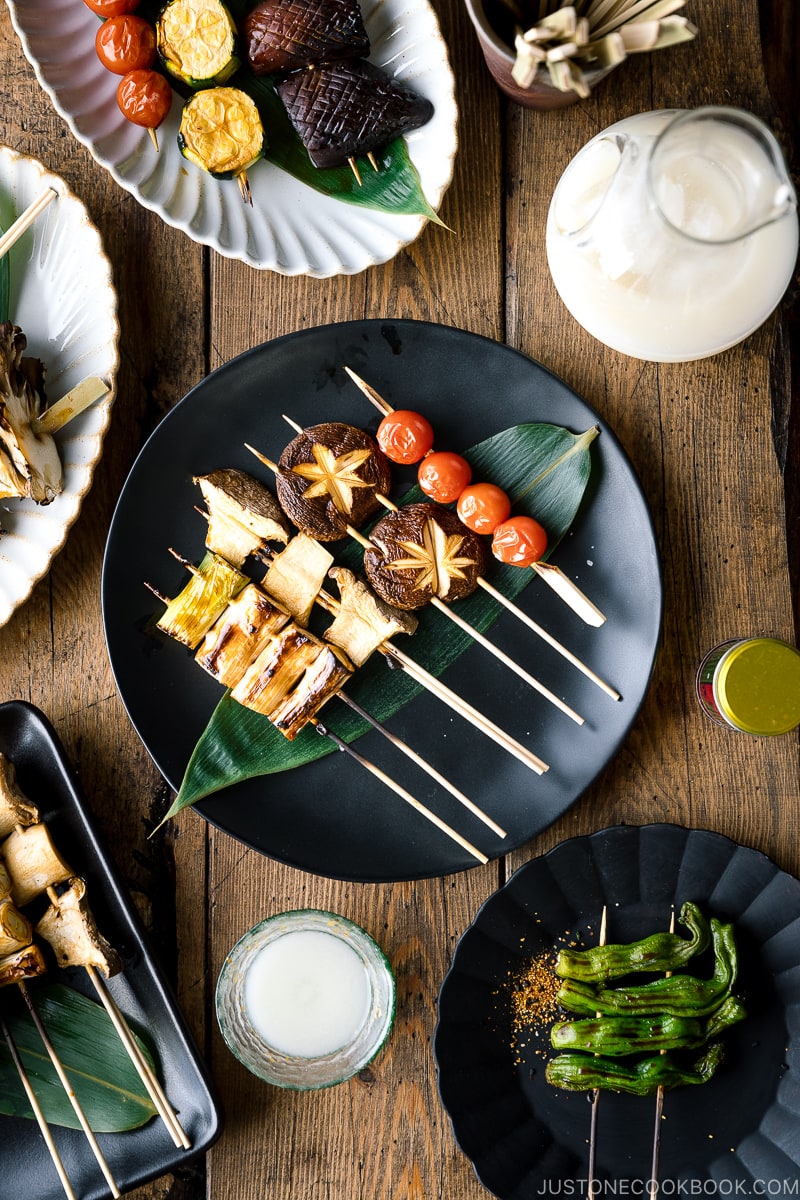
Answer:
(711, 441)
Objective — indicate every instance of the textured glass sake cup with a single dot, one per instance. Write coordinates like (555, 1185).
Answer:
(293, 1071)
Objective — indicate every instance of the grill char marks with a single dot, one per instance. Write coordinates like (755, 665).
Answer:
(282, 36)
(341, 110)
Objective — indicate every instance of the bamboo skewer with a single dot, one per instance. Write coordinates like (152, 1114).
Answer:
(654, 1161)
(67, 1086)
(399, 790)
(553, 576)
(26, 218)
(499, 654)
(41, 1120)
(423, 764)
(143, 1068)
(592, 1166)
(446, 611)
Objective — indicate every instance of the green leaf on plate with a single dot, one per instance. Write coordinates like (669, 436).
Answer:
(97, 1064)
(395, 188)
(544, 469)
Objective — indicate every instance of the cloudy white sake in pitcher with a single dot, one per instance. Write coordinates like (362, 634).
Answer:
(672, 235)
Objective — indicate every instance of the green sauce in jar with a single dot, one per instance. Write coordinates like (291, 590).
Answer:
(753, 685)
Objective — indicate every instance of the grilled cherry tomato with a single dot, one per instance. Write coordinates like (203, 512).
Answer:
(483, 506)
(443, 475)
(405, 436)
(112, 8)
(126, 43)
(144, 97)
(520, 541)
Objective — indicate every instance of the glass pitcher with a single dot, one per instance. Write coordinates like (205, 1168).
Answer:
(672, 235)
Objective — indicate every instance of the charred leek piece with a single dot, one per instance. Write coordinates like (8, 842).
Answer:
(70, 928)
(291, 679)
(239, 635)
(24, 964)
(15, 928)
(33, 862)
(295, 575)
(243, 515)
(194, 610)
(363, 621)
(15, 809)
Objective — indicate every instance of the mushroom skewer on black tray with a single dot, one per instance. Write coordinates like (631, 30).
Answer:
(30, 865)
(466, 567)
(553, 576)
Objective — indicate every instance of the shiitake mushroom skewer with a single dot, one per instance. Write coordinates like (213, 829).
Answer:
(370, 545)
(566, 589)
(234, 502)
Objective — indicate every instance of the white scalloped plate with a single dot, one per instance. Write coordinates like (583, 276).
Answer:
(291, 229)
(63, 298)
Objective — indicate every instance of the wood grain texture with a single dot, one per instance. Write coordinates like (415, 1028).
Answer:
(714, 443)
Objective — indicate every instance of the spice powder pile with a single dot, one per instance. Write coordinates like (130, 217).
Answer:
(533, 1005)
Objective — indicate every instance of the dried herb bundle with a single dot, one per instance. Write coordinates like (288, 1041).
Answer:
(589, 34)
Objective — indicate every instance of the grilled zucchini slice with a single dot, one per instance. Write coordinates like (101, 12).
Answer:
(197, 42)
(221, 132)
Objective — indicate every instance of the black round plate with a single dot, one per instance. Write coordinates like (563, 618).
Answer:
(737, 1135)
(331, 817)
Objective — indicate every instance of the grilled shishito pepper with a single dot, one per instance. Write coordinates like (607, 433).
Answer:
(678, 995)
(620, 1036)
(659, 952)
(585, 1072)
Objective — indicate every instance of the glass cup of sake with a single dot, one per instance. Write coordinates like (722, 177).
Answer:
(305, 999)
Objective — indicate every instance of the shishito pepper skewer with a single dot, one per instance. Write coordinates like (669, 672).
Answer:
(652, 1184)
(36, 1108)
(565, 588)
(447, 612)
(592, 1167)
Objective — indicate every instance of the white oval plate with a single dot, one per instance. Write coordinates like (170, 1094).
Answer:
(63, 299)
(291, 229)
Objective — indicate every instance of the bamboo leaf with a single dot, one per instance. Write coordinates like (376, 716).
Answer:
(395, 188)
(544, 469)
(105, 1082)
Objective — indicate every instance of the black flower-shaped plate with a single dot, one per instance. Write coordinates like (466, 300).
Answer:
(737, 1135)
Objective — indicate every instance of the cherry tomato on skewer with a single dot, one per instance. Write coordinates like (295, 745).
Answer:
(520, 541)
(126, 43)
(483, 506)
(112, 8)
(144, 97)
(405, 436)
(444, 475)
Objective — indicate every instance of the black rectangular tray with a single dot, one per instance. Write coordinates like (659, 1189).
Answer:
(141, 991)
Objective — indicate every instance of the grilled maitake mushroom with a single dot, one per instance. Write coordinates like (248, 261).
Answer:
(29, 461)
(15, 808)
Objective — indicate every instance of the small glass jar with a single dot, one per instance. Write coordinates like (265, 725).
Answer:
(305, 999)
(752, 685)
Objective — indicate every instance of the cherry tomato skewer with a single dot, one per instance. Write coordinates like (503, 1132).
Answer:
(569, 592)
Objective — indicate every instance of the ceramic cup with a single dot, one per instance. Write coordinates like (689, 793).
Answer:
(305, 999)
(500, 61)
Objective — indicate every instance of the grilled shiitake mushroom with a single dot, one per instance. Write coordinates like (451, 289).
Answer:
(327, 478)
(341, 110)
(421, 551)
(281, 36)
